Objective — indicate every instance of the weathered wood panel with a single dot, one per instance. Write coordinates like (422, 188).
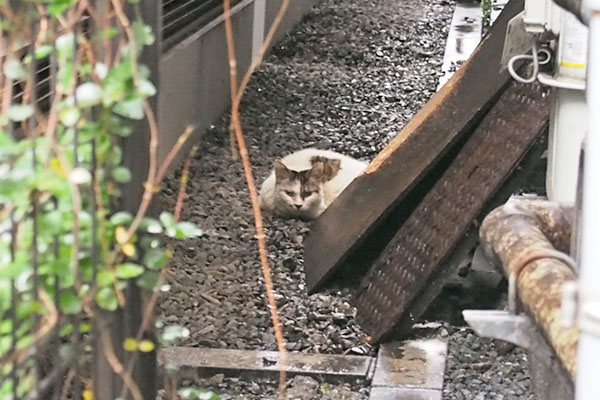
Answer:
(449, 115)
(447, 211)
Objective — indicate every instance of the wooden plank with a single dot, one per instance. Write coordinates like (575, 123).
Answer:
(452, 112)
(231, 361)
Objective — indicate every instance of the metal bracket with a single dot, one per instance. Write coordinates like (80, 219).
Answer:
(515, 329)
(516, 40)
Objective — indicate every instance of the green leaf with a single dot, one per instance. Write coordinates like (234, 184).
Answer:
(186, 230)
(121, 174)
(107, 299)
(143, 34)
(120, 126)
(172, 333)
(168, 222)
(155, 258)
(42, 51)
(69, 116)
(104, 277)
(84, 327)
(129, 270)
(14, 268)
(14, 70)
(65, 75)
(150, 225)
(197, 394)
(167, 219)
(115, 156)
(65, 44)
(132, 108)
(20, 112)
(70, 303)
(88, 94)
(148, 280)
(146, 88)
(57, 7)
(121, 218)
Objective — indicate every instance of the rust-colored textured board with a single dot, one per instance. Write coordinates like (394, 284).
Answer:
(449, 115)
(444, 215)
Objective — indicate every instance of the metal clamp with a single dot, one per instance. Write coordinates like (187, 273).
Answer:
(503, 325)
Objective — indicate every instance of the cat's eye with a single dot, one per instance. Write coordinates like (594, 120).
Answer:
(289, 193)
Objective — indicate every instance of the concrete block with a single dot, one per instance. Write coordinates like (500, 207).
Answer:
(412, 364)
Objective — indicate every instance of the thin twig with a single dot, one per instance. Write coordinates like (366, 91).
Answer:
(126, 25)
(233, 84)
(258, 221)
(149, 185)
(172, 153)
(183, 183)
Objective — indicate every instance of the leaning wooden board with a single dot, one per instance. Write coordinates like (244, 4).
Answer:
(448, 116)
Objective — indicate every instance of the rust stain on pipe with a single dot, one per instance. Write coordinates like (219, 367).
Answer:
(515, 232)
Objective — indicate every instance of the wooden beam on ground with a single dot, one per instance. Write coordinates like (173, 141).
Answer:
(235, 362)
(358, 213)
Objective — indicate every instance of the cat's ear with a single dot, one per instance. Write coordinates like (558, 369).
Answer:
(332, 167)
(317, 171)
(281, 171)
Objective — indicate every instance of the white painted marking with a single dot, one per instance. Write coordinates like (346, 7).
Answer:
(463, 38)
(497, 7)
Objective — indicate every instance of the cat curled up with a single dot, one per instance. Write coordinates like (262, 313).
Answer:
(303, 184)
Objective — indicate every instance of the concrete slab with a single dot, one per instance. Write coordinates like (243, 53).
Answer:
(417, 364)
(266, 362)
(386, 393)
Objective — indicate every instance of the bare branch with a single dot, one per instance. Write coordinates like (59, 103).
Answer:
(258, 221)
(183, 183)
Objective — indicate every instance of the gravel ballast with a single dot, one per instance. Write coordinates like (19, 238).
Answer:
(348, 78)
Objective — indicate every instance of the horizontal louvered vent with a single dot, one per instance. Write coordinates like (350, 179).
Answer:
(181, 18)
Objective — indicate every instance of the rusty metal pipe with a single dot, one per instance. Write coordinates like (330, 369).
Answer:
(529, 239)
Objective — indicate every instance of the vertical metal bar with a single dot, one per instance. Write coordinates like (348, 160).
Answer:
(53, 72)
(75, 128)
(56, 341)
(94, 209)
(31, 95)
(13, 310)
(77, 382)
(587, 382)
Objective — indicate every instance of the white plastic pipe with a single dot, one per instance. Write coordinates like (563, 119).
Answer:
(588, 355)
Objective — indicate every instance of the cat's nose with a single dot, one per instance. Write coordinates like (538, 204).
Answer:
(298, 206)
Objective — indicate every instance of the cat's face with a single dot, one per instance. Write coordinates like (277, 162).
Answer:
(299, 193)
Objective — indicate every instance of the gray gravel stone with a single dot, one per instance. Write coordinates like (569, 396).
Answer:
(348, 78)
